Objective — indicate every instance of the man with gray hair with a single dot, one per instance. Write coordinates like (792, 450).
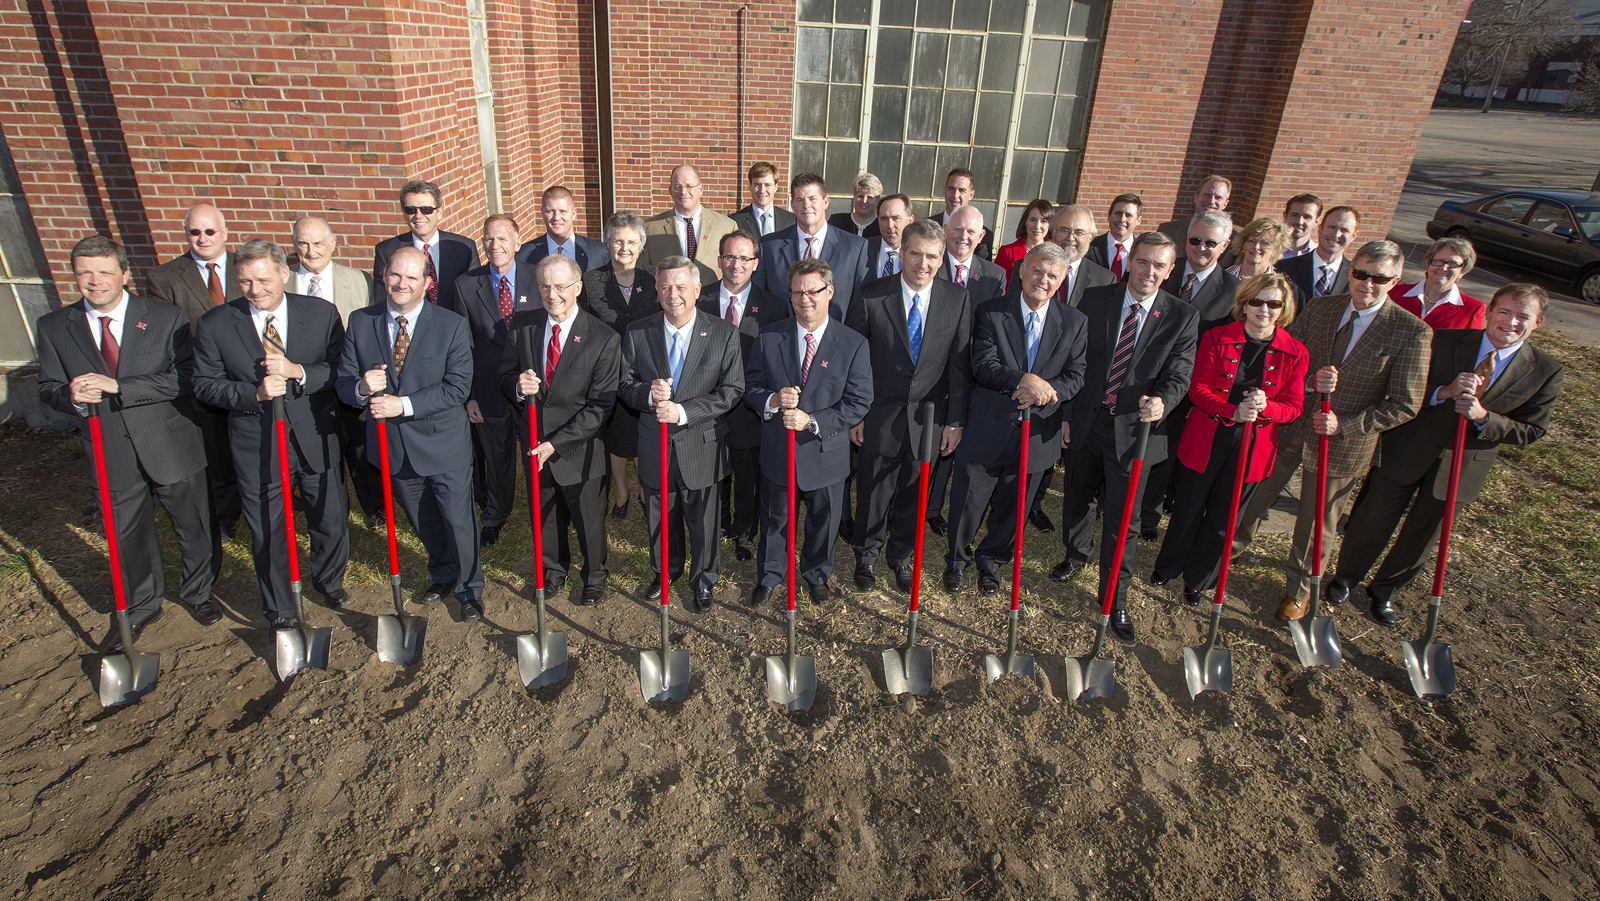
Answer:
(252, 353)
(1371, 358)
(963, 264)
(1073, 229)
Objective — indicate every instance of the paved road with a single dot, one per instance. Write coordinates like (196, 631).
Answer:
(1466, 154)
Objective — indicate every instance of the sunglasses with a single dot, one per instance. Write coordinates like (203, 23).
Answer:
(1208, 245)
(413, 210)
(197, 232)
(1375, 278)
(1269, 304)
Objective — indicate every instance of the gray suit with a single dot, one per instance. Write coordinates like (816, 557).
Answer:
(352, 290)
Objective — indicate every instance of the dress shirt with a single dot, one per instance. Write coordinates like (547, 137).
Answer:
(118, 316)
(556, 248)
(800, 334)
(1363, 319)
(280, 321)
(673, 336)
(801, 236)
(738, 300)
(906, 293)
(766, 219)
(1111, 250)
(1143, 306)
(429, 247)
(1300, 251)
(412, 318)
(510, 278)
(302, 282)
(1453, 296)
(1069, 278)
(1199, 277)
(566, 329)
(955, 262)
(220, 262)
(883, 256)
(1044, 312)
(678, 220)
(1317, 267)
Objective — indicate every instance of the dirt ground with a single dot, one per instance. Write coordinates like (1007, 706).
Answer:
(449, 780)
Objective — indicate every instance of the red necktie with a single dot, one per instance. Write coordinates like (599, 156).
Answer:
(811, 252)
(1123, 353)
(433, 278)
(733, 311)
(214, 285)
(552, 354)
(961, 274)
(109, 349)
(1116, 265)
(505, 299)
(811, 351)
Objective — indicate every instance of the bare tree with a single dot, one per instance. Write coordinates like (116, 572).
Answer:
(1501, 35)
(1584, 96)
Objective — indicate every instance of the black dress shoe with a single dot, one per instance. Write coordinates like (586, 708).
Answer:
(1157, 579)
(1384, 610)
(620, 511)
(488, 536)
(937, 524)
(207, 613)
(761, 597)
(435, 593)
(988, 584)
(654, 594)
(1147, 533)
(376, 522)
(592, 595)
(137, 627)
(1336, 593)
(954, 577)
(1122, 627)
(1191, 597)
(866, 579)
(1065, 571)
(821, 594)
(471, 611)
(276, 622)
(904, 577)
(702, 600)
(743, 549)
(1040, 522)
(554, 585)
(335, 599)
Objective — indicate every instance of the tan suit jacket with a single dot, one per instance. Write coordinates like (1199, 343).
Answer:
(661, 240)
(352, 290)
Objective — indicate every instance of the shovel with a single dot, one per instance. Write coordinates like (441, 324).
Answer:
(302, 647)
(1013, 664)
(664, 676)
(792, 679)
(130, 675)
(1317, 644)
(1431, 666)
(541, 657)
(1090, 677)
(911, 669)
(399, 636)
(1210, 668)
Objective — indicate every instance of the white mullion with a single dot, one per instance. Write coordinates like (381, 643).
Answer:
(1016, 116)
(870, 74)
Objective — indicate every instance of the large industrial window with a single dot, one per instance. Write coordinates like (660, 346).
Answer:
(910, 89)
(26, 292)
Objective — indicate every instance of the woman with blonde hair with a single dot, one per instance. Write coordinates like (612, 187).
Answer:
(1260, 245)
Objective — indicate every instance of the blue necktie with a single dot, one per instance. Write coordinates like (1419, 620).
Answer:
(675, 359)
(1033, 337)
(888, 265)
(914, 326)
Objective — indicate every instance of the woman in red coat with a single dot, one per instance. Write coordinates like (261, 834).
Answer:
(1250, 370)
(1032, 231)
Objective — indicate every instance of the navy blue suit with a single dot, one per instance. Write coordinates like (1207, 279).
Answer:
(589, 253)
(495, 439)
(845, 252)
(742, 487)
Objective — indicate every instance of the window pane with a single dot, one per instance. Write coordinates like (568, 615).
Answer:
(1044, 66)
(933, 14)
(957, 122)
(20, 258)
(931, 51)
(883, 160)
(844, 111)
(987, 208)
(1064, 125)
(950, 158)
(894, 56)
(1088, 18)
(1050, 17)
(897, 12)
(807, 157)
(816, 10)
(971, 15)
(811, 55)
(889, 114)
(1027, 168)
(987, 167)
(849, 55)
(841, 167)
(1034, 128)
(1077, 68)
(994, 119)
(810, 109)
(853, 13)
(923, 122)
(1052, 176)
(1000, 66)
(966, 52)
(1065, 185)
(1007, 15)
(916, 171)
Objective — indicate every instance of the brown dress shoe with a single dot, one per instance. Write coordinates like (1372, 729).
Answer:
(1292, 608)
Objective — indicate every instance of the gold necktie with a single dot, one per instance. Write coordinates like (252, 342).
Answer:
(402, 343)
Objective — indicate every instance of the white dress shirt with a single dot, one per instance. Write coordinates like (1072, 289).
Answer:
(1128, 300)
(965, 276)
(1069, 278)
(906, 293)
(302, 283)
(1199, 277)
(883, 255)
(117, 314)
(1300, 251)
(1318, 266)
(672, 336)
(412, 318)
(220, 262)
(725, 297)
(766, 219)
(1453, 296)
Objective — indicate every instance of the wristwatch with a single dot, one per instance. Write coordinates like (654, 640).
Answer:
(811, 426)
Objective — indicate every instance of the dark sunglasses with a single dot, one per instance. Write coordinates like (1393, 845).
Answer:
(1269, 304)
(197, 232)
(1373, 277)
(1200, 242)
(413, 210)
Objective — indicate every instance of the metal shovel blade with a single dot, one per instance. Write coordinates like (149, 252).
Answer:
(795, 689)
(1431, 666)
(400, 640)
(664, 680)
(127, 677)
(998, 666)
(1090, 677)
(1317, 644)
(1211, 672)
(542, 663)
(291, 652)
(908, 671)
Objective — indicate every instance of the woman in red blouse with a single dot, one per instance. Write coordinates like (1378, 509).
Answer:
(1031, 232)
(1250, 370)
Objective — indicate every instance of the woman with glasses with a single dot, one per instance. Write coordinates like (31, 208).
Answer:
(619, 293)
(1032, 230)
(1259, 246)
(1250, 370)
(1436, 300)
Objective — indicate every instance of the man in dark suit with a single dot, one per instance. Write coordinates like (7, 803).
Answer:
(812, 238)
(883, 251)
(959, 189)
(560, 213)
(1323, 272)
(737, 301)
(962, 264)
(810, 375)
(409, 362)
(763, 216)
(489, 296)
(684, 368)
(196, 282)
(1301, 214)
(1214, 194)
(1027, 354)
(133, 357)
(918, 330)
(1110, 251)
(448, 255)
(567, 363)
(1140, 355)
(269, 344)
(1506, 390)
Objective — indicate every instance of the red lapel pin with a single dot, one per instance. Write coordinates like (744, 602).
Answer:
(138, 325)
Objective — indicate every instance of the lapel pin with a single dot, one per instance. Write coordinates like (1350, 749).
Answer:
(702, 334)
(522, 299)
(138, 325)
(824, 363)
(577, 339)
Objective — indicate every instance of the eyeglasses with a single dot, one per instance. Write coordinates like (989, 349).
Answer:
(1375, 278)
(1269, 304)
(1208, 245)
(1448, 265)
(424, 210)
(547, 290)
(730, 258)
(197, 232)
(1078, 233)
(1258, 242)
(679, 189)
(817, 294)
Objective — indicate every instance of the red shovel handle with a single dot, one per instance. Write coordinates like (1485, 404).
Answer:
(1022, 512)
(1321, 513)
(535, 500)
(790, 530)
(1128, 503)
(388, 496)
(286, 483)
(112, 553)
(925, 454)
(1246, 445)
(1450, 507)
(666, 577)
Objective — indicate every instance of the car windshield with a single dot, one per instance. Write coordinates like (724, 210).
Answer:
(1588, 220)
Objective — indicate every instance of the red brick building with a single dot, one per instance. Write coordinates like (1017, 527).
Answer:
(118, 114)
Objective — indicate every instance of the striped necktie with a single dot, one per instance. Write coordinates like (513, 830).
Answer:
(1122, 355)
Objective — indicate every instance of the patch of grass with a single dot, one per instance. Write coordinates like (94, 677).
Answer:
(16, 570)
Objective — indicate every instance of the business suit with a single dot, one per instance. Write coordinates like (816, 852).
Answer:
(457, 254)
(227, 372)
(1104, 437)
(351, 291)
(845, 252)
(1302, 273)
(587, 252)
(984, 280)
(887, 468)
(661, 241)
(1414, 462)
(1470, 313)
(986, 463)
(710, 382)
(178, 282)
(152, 444)
(430, 454)
(836, 394)
(746, 219)
(1104, 250)
(497, 437)
(1381, 381)
(573, 406)
(743, 483)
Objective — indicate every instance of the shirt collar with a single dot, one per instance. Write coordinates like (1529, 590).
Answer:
(723, 293)
(1129, 300)
(821, 236)
(675, 332)
(420, 244)
(1201, 275)
(1502, 354)
(1452, 296)
(117, 312)
(801, 330)
(1364, 315)
(906, 291)
(1022, 304)
(412, 318)
(220, 262)
(555, 246)
(509, 276)
(279, 315)
(955, 262)
(565, 324)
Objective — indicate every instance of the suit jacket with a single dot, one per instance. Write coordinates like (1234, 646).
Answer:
(178, 282)
(589, 253)
(1000, 360)
(710, 383)
(1089, 276)
(1470, 314)
(1213, 300)
(845, 252)
(893, 423)
(437, 377)
(150, 423)
(985, 280)
(1163, 361)
(574, 410)
(1101, 253)
(457, 254)
(875, 247)
(228, 368)
(477, 301)
(1302, 274)
(760, 309)
(1519, 404)
(1381, 380)
(837, 394)
(661, 241)
(1283, 379)
(746, 219)
(352, 290)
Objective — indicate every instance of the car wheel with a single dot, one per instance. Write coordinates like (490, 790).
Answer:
(1588, 285)
(1459, 232)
